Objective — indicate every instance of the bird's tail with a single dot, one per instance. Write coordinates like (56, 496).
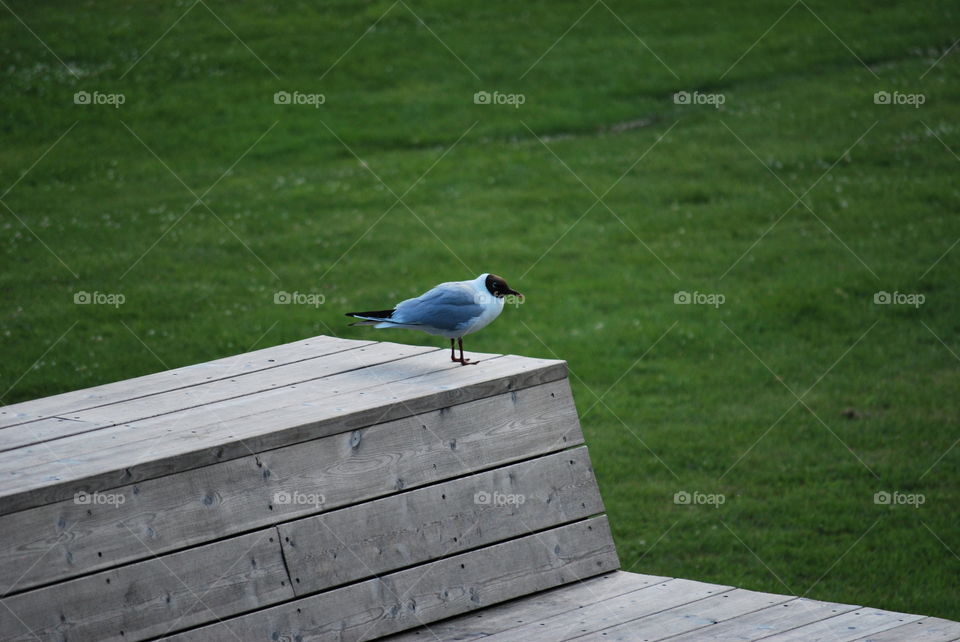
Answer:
(372, 317)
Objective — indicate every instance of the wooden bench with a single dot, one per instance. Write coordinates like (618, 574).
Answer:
(339, 490)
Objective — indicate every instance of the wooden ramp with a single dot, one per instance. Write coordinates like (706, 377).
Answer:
(342, 490)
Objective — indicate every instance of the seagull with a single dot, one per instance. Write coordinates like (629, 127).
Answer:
(453, 310)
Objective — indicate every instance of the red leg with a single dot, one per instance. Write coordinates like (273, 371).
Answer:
(463, 361)
(453, 355)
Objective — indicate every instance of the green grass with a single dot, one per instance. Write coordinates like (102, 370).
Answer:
(688, 402)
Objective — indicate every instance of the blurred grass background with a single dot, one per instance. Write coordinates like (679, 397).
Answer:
(694, 397)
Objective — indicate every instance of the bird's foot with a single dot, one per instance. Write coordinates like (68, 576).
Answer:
(466, 362)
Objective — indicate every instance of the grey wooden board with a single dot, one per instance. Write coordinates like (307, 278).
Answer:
(147, 599)
(152, 448)
(236, 365)
(65, 539)
(183, 399)
(612, 611)
(846, 627)
(376, 537)
(688, 617)
(530, 608)
(769, 621)
(202, 394)
(430, 592)
(41, 430)
(927, 629)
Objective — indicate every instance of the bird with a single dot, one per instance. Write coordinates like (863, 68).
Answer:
(452, 309)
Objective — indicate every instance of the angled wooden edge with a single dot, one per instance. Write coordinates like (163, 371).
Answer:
(253, 571)
(128, 455)
(177, 378)
(154, 596)
(611, 611)
(687, 617)
(44, 433)
(68, 538)
(531, 608)
(432, 591)
(769, 621)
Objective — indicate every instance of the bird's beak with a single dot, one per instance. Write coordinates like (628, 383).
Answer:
(515, 293)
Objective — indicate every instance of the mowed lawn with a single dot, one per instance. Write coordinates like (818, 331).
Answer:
(784, 390)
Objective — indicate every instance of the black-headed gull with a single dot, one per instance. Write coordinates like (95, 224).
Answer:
(451, 310)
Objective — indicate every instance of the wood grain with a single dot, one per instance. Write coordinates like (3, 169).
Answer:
(166, 445)
(430, 592)
(768, 621)
(64, 539)
(688, 617)
(534, 608)
(233, 366)
(402, 530)
(846, 627)
(612, 611)
(149, 598)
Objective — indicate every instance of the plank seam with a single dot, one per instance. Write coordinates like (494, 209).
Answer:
(388, 574)
(76, 482)
(192, 385)
(148, 554)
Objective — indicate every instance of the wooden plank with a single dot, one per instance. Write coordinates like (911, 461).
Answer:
(287, 375)
(65, 539)
(612, 611)
(689, 617)
(163, 446)
(769, 621)
(530, 608)
(195, 396)
(147, 599)
(927, 629)
(846, 627)
(41, 430)
(430, 592)
(376, 537)
(236, 365)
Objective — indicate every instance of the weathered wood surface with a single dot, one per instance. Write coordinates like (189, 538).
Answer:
(234, 575)
(688, 617)
(628, 607)
(195, 437)
(495, 619)
(151, 598)
(225, 389)
(327, 490)
(233, 366)
(402, 530)
(846, 627)
(612, 611)
(430, 592)
(771, 620)
(40, 430)
(64, 539)
(927, 629)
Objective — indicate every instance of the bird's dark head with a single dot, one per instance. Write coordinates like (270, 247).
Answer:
(499, 288)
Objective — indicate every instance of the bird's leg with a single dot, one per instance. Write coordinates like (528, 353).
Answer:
(453, 354)
(463, 361)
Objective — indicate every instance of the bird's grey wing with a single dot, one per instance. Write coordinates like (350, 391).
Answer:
(449, 306)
